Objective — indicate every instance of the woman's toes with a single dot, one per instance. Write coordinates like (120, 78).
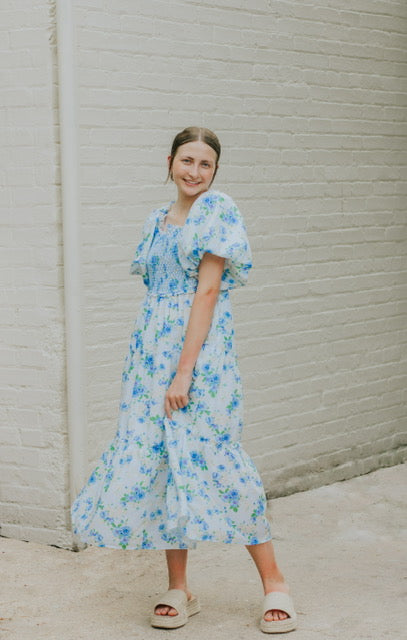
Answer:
(162, 610)
(275, 614)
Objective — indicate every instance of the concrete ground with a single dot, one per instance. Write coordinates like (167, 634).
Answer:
(341, 548)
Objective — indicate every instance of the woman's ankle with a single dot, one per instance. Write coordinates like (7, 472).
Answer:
(176, 584)
(275, 583)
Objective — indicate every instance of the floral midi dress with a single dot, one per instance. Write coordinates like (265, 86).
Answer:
(168, 483)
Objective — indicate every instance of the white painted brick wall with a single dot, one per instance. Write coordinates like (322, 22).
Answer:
(33, 439)
(309, 103)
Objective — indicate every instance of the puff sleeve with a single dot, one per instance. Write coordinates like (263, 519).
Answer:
(215, 225)
(139, 263)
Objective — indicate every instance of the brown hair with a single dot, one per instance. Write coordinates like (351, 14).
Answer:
(192, 134)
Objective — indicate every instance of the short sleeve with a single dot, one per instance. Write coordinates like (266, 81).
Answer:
(215, 225)
(139, 263)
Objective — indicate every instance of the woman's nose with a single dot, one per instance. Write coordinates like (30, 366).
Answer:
(193, 170)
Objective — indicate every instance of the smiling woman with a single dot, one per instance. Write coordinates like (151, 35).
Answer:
(176, 472)
(194, 134)
(192, 166)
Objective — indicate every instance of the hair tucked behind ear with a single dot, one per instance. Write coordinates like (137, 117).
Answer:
(192, 134)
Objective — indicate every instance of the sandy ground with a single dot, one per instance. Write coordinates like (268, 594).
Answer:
(342, 548)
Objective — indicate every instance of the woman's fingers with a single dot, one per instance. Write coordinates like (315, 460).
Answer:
(178, 402)
(172, 403)
(181, 401)
(168, 410)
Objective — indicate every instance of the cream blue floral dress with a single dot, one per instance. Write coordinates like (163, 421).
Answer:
(169, 483)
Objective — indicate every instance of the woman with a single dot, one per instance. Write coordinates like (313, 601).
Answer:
(175, 472)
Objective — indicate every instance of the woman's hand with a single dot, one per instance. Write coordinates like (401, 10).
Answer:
(177, 393)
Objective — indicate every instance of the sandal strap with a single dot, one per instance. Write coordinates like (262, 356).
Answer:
(176, 598)
(279, 600)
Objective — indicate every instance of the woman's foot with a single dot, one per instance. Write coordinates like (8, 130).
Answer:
(274, 585)
(165, 610)
(272, 578)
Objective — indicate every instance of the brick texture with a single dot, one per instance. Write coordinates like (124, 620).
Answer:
(33, 436)
(309, 103)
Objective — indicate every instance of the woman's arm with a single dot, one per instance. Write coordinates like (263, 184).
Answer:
(206, 295)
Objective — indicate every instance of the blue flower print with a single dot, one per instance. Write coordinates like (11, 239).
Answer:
(198, 459)
(170, 483)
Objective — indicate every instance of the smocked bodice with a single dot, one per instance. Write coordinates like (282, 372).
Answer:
(165, 274)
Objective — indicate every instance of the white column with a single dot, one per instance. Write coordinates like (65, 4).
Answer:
(69, 158)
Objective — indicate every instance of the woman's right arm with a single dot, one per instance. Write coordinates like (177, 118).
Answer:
(200, 318)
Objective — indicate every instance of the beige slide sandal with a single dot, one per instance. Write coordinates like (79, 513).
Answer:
(176, 598)
(280, 601)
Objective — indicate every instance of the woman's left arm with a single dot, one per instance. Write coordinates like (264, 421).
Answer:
(200, 318)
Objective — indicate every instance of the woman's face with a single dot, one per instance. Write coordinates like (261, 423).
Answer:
(193, 168)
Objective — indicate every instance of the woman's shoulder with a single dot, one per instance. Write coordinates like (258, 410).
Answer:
(214, 212)
(215, 225)
(214, 196)
(212, 203)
